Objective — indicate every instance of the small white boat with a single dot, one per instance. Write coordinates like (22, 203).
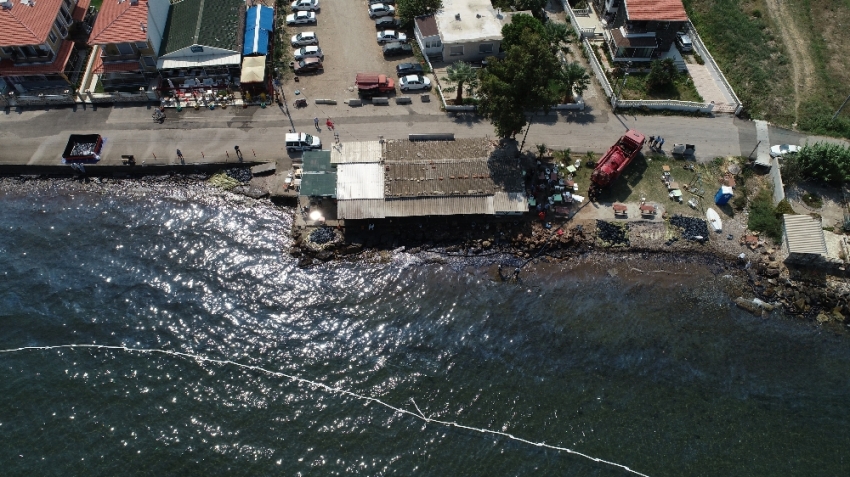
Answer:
(713, 219)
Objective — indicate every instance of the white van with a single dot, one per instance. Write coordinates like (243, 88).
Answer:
(302, 142)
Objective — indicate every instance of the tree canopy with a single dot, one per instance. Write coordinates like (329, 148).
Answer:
(518, 84)
(410, 9)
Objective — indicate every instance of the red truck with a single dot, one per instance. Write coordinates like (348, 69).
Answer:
(616, 160)
(370, 84)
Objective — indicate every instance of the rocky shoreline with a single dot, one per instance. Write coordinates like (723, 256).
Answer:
(770, 285)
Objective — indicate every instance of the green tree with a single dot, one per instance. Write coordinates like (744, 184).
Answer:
(410, 9)
(518, 84)
(521, 26)
(661, 74)
(460, 73)
(536, 7)
(559, 35)
(572, 79)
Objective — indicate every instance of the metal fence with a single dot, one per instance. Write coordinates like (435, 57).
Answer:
(670, 105)
(597, 68)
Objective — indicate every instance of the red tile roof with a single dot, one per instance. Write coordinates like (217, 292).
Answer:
(27, 25)
(120, 22)
(658, 10)
(7, 68)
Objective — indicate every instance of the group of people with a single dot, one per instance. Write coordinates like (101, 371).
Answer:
(328, 123)
(656, 143)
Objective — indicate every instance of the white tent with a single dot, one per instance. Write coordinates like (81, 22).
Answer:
(253, 69)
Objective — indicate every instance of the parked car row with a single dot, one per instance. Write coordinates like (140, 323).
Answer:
(308, 58)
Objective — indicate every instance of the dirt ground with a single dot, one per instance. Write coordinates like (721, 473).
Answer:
(801, 62)
(347, 37)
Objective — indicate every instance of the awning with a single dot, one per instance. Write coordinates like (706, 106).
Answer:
(253, 69)
(259, 23)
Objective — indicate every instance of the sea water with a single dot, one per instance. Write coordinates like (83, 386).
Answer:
(650, 369)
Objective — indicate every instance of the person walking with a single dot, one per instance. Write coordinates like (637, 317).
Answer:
(661, 144)
(651, 140)
(329, 124)
(180, 156)
(316, 123)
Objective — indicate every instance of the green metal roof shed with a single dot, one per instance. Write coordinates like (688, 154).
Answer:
(317, 161)
(318, 185)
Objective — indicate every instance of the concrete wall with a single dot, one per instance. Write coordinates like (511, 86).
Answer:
(470, 51)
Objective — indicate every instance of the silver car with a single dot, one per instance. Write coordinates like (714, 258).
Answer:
(387, 36)
(305, 5)
(308, 52)
(305, 38)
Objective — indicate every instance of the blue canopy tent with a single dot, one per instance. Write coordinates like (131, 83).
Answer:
(259, 23)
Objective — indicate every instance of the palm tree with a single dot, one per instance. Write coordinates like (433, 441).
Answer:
(572, 80)
(461, 73)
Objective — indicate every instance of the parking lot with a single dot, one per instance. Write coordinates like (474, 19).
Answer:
(348, 39)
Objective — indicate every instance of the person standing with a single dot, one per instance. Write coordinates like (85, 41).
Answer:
(651, 140)
(316, 123)
(661, 144)
(329, 124)
(180, 156)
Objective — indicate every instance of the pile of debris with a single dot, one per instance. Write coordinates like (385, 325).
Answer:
(692, 227)
(83, 149)
(241, 174)
(322, 235)
(613, 234)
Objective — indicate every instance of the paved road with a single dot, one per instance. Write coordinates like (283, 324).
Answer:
(38, 136)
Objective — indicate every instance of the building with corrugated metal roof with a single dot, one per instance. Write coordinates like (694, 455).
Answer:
(804, 237)
(402, 178)
(319, 176)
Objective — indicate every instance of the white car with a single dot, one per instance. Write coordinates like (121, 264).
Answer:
(301, 18)
(308, 52)
(780, 150)
(305, 38)
(387, 36)
(380, 10)
(305, 5)
(414, 83)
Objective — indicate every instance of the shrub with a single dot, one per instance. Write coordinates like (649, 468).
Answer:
(699, 59)
(763, 217)
(784, 207)
(826, 162)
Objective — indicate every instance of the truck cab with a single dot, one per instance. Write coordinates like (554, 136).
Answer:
(302, 142)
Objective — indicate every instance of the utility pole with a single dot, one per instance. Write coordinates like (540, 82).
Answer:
(622, 85)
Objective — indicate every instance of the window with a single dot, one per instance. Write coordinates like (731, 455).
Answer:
(7, 50)
(142, 45)
(66, 16)
(485, 48)
(125, 49)
(456, 50)
(63, 32)
(197, 49)
(52, 37)
(27, 51)
(149, 61)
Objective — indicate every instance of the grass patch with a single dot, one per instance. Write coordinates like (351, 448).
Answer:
(747, 44)
(751, 56)
(682, 88)
(96, 4)
(98, 88)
